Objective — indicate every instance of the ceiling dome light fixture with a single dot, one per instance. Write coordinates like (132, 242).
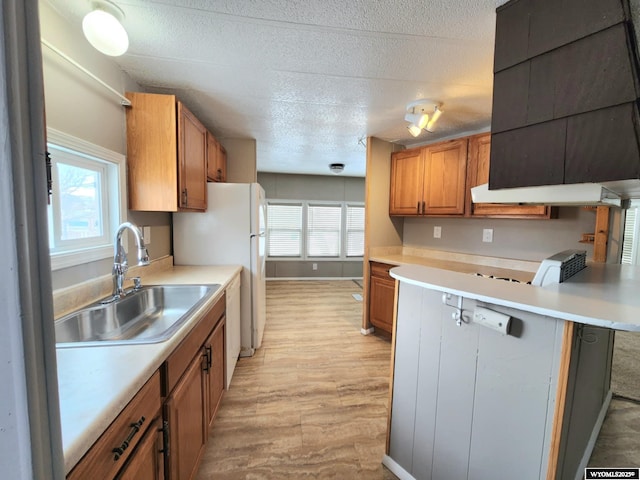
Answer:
(336, 168)
(103, 29)
(420, 120)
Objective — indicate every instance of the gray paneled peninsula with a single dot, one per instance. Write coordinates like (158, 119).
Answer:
(472, 401)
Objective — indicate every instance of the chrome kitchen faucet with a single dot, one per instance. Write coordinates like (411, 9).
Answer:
(120, 263)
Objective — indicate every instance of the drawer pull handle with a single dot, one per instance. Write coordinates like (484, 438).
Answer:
(135, 428)
(206, 355)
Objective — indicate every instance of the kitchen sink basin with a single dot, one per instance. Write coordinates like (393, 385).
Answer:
(148, 315)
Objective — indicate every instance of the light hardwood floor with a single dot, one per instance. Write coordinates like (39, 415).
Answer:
(312, 402)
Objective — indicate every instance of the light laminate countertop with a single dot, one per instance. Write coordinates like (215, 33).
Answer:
(96, 383)
(604, 295)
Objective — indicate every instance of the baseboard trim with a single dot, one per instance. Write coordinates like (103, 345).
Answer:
(594, 437)
(268, 279)
(396, 469)
(367, 331)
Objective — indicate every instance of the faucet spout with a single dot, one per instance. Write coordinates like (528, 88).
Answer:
(120, 262)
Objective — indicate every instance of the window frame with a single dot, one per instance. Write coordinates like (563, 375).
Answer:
(304, 256)
(302, 229)
(72, 253)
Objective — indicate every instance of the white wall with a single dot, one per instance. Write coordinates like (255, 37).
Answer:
(512, 238)
(79, 106)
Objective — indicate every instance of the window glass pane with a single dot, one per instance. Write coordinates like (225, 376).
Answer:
(323, 231)
(355, 231)
(284, 230)
(80, 202)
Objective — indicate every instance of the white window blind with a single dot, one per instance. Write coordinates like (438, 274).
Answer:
(628, 242)
(355, 231)
(284, 230)
(323, 230)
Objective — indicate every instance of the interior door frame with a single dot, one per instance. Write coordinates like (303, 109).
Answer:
(31, 439)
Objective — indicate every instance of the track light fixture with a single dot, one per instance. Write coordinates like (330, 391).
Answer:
(418, 118)
(103, 29)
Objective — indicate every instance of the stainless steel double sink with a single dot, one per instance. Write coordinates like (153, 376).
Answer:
(150, 314)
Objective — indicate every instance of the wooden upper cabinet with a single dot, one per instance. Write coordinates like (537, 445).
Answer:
(216, 160)
(192, 158)
(478, 173)
(445, 178)
(166, 155)
(429, 180)
(407, 171)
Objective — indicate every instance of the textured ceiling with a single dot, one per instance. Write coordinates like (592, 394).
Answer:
(309, 79)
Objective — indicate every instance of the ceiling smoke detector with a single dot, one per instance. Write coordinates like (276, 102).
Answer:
(336, 168)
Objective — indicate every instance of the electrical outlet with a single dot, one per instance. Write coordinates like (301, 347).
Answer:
(487, 235)
(146, 235)
(437, 232)
(314, 266)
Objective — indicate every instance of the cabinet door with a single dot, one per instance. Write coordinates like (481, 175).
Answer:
(221, 162)
(479, 157)
(407, 171)
(216, 160)
(185, 413)
(146, 461)
(214, 347)
(445, 178)
(381, 297)
(152, 171)
(192, 161)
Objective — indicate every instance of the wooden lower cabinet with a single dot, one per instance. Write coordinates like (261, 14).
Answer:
(381, 297)
(152, 440)
(119, 448)
(193, 385)
(146, 463)
(184, 411)
(215, 381)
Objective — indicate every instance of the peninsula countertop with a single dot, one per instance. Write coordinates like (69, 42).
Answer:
(96, 383)
(604, 295)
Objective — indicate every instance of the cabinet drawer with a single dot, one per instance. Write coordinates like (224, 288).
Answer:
(100, 461)
(181, 357)
(381, 270)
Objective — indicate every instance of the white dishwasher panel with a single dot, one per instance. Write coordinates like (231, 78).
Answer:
(232, 342)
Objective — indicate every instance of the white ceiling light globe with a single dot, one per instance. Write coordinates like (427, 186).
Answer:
(105, 33)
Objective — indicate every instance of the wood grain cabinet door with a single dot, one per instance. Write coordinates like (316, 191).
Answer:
(445, 178)
(146, 461)
(216, 160)
(407, 171)
(382, 289)
(185, 413)
(192, 161)
(215, 381)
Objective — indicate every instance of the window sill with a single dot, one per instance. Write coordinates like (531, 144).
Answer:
(79, 257)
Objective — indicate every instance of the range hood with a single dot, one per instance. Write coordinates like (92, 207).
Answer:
(577, 194)
(566, 102)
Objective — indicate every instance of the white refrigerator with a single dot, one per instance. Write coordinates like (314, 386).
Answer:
(230, 232)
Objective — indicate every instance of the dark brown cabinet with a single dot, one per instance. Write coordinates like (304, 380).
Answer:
(478, 173)
(382, 289)
(565, 94)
